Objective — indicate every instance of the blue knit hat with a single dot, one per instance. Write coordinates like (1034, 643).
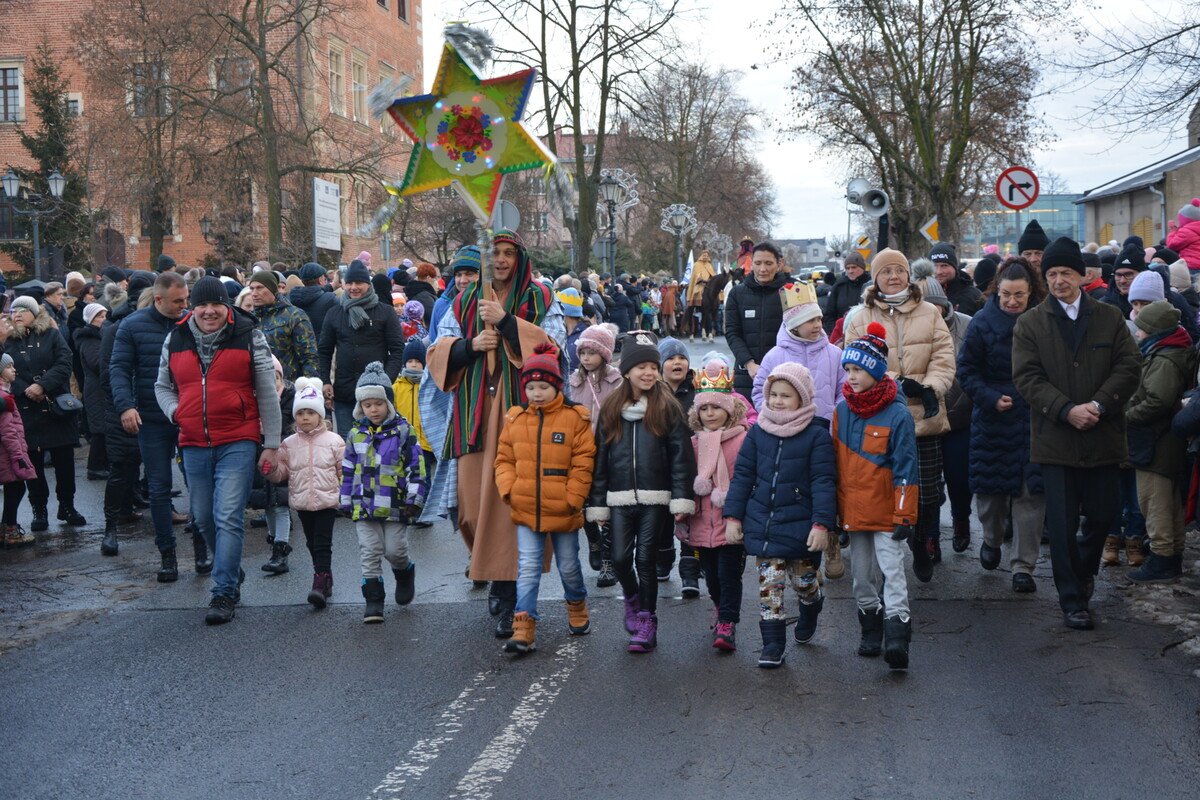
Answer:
(466, 259)
(312, 271)
(669, 347)
(414, 348)
(870, 353)
(357, 272)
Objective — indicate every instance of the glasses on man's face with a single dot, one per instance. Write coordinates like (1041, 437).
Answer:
(1126, 275)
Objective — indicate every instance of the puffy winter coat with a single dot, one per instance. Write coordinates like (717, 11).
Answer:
(640, 468)
(310, 464)
(591, 394)
(958, 402)
(1168, 370)
(544, 464)
(753, 314)
(406, 391)
(999, 454)
(822, 359)
(137, 348)
(844, 295)
(41, 356)
(95, 399)
(379, 339)
(1185, 240)
(706, 528)
(878, 487)
(369, 492)
(290, 336)
(314, 301)
(120, 446)
(623, 311)
(780, 488)
(14, 452)
(572, 344)
(919, 347)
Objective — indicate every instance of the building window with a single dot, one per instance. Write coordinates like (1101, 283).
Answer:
(1106, 233)
(382, 3)
(386, 75)
(358, 74)
(402, 9)
(337, 82)
(231, 76)
(144, 215)
(74, 104)
(8, 222)
(147, 94)
(362, 206)
(11, 101)
(543, 221)
(589, 149)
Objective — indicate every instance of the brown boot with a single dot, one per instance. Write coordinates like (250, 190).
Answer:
(1112, 551)
(578, 622)
(1133, 552)
(524, 628)
(835, 567)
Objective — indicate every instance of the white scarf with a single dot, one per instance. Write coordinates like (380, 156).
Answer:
(635, 412)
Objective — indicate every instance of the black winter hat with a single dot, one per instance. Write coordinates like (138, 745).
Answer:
(1062, 252)
(357, 272)
(1166, 255)
(638, 347)
(164, 263)
(1132, 256)
(115, 274)
(985, 272)
(1091, 260)
(1136, 240)
(139, 281)
(944, 253)
(1033, 238)
(383, 288)
(312, 271)
(209, 290)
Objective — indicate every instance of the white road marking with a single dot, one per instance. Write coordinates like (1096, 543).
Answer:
(422, 755)
(498, 757)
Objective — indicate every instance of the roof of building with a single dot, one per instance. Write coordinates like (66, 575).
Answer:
(1141, 178)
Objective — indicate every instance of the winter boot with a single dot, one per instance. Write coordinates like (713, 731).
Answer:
(607, 576)
(871, 644)
(633, 605)
(592, 531)
(922, 561)
(220, 610)
(689, 573)
(406, 584)
(665, 560)
(578, 621)
(896, 636)
(41, 520)
(1133, 552)
(806, 623)
(523, 636)
(279, 555)
(933, 546)
(169, 571)
(774, 636)
(108, 545)
(16, 536)
(962, 535)
(322, 588)
(374, 594)
(200, 554)
(835, 565)
(989, 557)
(1111, 556)
(70, 516)
(645, 638)
(725, 636)
(1157, 569)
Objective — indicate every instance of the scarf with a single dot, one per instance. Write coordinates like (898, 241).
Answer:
(897, 299)
(358, 309)
(412, 374)
(786, 424)
(712, 471)
(206, 343)
(635, 412)
(1175, 338)
(869, 403)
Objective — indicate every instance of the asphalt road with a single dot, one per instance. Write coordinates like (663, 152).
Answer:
(114, 688)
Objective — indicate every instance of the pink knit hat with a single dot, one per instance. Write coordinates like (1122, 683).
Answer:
(798, 376)
(599, 338)
(365, 258)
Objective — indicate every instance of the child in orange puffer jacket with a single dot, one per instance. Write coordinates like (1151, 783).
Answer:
(551, 438)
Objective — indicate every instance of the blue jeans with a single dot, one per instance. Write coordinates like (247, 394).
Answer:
(219, 482)
(1130, 523)
(157, 441)
(532, 548)
(343, 417)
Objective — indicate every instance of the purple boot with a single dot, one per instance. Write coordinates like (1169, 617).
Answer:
(632, 606)
(646, 638)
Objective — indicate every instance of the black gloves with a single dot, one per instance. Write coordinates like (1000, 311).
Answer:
(912, 389)
(927, 396)
(902, 532)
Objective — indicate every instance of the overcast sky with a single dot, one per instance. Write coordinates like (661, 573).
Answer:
(808, 186)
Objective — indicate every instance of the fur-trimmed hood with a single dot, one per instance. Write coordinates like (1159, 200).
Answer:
(41, 323)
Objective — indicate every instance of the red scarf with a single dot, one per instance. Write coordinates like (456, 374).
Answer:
(869, 403)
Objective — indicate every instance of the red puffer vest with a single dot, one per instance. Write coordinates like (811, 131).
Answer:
(216, 406)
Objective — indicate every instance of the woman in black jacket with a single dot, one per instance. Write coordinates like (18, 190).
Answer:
(645, 468)
(753, 314)
(87, 350)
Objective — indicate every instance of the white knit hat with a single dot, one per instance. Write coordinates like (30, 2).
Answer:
(28, 303)
(308, 395)
(1181, 276)
(90, 311)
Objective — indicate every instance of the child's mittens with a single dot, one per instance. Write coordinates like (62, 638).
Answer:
(733, 531)
(818, 540)
(902, 533)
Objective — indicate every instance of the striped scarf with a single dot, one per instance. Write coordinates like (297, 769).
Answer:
(528, 300)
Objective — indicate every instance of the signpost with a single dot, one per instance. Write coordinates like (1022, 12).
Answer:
(1017, 188)
(327, 216)
(930, 229)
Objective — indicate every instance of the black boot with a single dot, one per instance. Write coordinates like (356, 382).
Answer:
(922, 565)
(70, 516)
(607, 576)
(500, 594)
(665, 560)
(108, 545)
(592, 531)
(896, 635)
(278, 563)
(774, 636)
(138, 497)
(374, 594)
(169, 571)
(406, 584)
(871, 644)
(41, 519)
(504, 620)
(962, 535)
(689, 572)
(203, 559)
(806, 623)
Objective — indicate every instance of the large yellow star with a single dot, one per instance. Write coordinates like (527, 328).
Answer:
(468, 133)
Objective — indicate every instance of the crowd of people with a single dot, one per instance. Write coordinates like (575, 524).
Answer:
(1051, 387)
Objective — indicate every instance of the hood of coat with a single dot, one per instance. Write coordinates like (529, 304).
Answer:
(304, 296)
(41, 323)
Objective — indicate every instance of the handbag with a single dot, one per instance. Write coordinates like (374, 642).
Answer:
(65, 404)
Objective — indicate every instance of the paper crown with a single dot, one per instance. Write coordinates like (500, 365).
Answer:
(710, 380)
(797, 293)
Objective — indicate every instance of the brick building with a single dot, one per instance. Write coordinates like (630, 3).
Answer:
(372, 41)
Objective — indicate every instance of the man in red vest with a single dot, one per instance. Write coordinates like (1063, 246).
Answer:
(216, 382)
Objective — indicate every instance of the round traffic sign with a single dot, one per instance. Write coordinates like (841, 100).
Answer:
(1017, 188)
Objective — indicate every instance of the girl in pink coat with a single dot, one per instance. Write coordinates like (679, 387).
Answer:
(310, 461)
(719, 419)
(1185, 239)
(15, 468)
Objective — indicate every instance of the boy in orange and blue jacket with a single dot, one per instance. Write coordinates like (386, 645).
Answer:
(876, 447)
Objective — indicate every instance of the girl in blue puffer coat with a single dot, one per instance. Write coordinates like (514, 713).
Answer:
(783, 500)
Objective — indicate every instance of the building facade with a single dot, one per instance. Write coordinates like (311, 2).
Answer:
(1143, 202)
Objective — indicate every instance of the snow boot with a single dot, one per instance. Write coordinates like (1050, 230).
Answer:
(1157, 569)
(607, 576)
(278, 563)
(774, 636)
(633, 605)
(806, 623)
(896, 635)
(1133, 552)
(322, 589)
(689, 573)
(374, 594)
(1111, 556)
(108, 545)
(406, 584)
(645, 638)
(41, 520)
(523, 637)
(871, 644)
(168, 572)
(579, 622)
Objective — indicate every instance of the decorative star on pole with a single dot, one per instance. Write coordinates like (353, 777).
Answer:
(468, 133)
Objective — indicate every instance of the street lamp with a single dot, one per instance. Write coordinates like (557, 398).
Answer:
(679, 220)
(610, 193)
(12, 189)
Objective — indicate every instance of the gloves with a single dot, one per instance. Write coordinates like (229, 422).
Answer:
(912, 389)
(930, 400)
(733, 531)
(902, 532)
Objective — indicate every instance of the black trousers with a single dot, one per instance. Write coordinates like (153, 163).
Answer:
(723, 568)
(318, 536)
(118, 491)
(63, 461)
(1071, 491)
(956, 446)
(97, 453)
(14, 492)
(638, 534)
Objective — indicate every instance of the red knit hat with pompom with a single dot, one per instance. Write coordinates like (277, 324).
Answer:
(542, 366)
